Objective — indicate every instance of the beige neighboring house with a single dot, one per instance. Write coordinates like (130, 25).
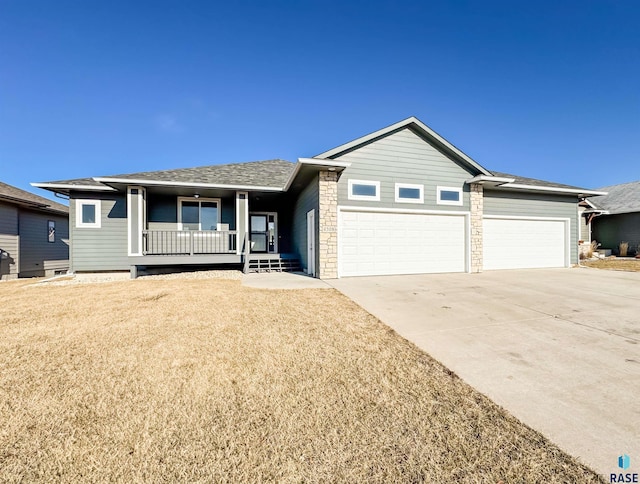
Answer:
(34, 235)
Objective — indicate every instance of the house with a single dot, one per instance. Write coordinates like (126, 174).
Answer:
(34, 234)
(400, 200)
(619, 217)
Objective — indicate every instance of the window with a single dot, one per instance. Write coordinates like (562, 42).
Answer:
(88, 214)
(364, 190)
(198, 214)
(408, 193)
(51, 231)
(449, 196)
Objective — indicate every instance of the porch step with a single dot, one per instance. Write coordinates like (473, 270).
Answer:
(269, 263)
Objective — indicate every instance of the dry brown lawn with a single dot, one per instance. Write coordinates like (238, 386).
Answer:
(615, 264)
(210, 381)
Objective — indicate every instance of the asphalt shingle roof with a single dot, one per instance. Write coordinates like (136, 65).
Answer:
(269, 173)
(17, 195)
(623, 198)
(536, 182)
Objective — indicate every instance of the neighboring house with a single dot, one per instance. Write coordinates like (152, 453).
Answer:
(619, 219)
(400, 200)
(34, 234)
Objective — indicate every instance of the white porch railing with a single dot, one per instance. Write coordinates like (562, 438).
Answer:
(188, 242)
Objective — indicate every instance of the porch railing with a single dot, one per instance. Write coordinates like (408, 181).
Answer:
(188, 242)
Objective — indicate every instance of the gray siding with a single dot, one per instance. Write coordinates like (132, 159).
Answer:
(584, 234)
(162, 212)
(535, 205)
(103, 249)
(306, 200)
(403, 157)
(9, 241)
(610, 230)
(37, 254)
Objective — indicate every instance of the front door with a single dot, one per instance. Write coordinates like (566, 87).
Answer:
(311, 242)
(264, 232)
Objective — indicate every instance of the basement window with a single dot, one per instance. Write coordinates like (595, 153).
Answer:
(409, 193)
(449, 196)
(88, 214)
(364, 190)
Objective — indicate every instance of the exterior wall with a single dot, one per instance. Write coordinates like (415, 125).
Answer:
(162, 211)
(9, 242)
(38, 256)
(477, 212)
(535, 205)
(585, 229)
(328, 224)
(403, 157)
(103, 249)
(306, 200)
(610, 230)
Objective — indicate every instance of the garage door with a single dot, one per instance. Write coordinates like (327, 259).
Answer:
(375, 243)
(524, 244)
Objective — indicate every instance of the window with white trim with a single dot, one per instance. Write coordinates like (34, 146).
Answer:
(364, 190)
(449, 196)
(198, 213)
(88, 214)
(409, 193)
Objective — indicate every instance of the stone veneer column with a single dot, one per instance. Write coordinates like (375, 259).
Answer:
(477, 211)
(328, 221)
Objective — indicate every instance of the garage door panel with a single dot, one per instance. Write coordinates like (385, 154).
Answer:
(523, 244)
(380, 243)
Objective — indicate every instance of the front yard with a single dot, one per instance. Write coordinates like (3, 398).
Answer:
(210, 381)
(614, 264)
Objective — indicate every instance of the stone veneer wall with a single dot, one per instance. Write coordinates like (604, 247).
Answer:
(477, 211)
(328, 221)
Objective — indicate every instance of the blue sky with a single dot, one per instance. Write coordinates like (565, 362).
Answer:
(542, 89)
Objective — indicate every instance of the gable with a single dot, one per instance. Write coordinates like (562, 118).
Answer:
(402, 157)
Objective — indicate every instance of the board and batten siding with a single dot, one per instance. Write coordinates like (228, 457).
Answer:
(306, 200)
(37, 254)
(519, 204)
(610, 230)
(403, 157)
(9, 241)
(104, 248)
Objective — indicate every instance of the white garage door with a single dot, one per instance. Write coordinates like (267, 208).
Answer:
(524, 244)
(375, 243)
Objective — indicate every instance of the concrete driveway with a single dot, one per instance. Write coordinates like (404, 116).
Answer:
(558, 348)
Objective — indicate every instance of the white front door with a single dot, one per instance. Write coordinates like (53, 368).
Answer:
(387, 243)
(311, 242)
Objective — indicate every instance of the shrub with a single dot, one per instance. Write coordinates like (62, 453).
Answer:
(623, 249)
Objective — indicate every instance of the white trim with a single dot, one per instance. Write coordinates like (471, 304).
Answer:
(481, 179)
(369, 198)
(199, 199)
(186, 184)
(246, 219)
(567, 230)
(439, 200)
(324, 162)
(101, 188)
(98, 212)
(576, 191)
(141, 208)
(411, 186)
(465, 214)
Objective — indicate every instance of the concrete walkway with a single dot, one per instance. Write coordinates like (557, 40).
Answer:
(559, 349)
(282, 280)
